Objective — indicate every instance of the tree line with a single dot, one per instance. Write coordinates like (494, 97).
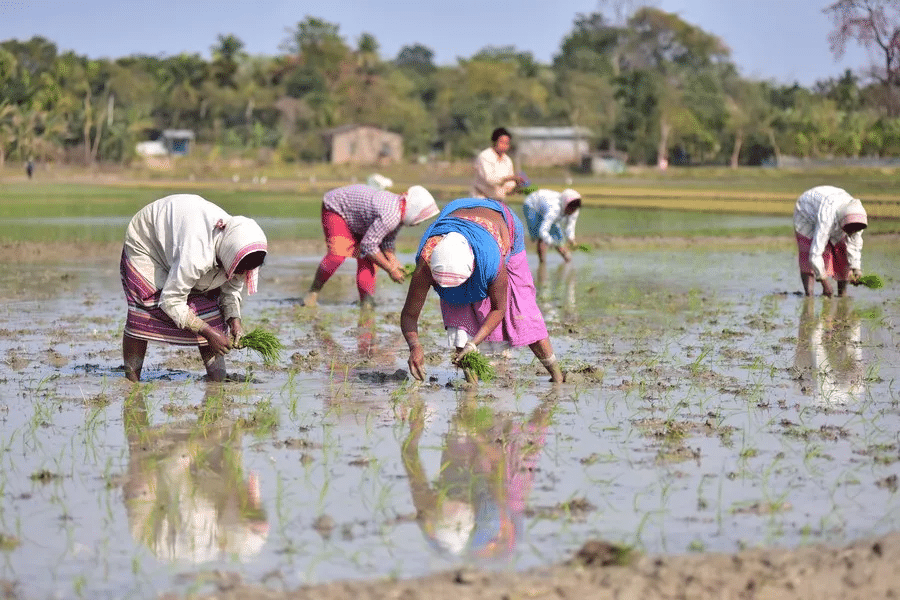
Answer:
(648, 84)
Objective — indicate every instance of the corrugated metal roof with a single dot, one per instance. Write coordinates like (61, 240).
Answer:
(550, 132)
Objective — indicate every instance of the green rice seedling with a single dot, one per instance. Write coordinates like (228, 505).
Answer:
(871, 281)
(264, 343)
(408, 269)
(529, 189)
(583, 248)
(476, 363)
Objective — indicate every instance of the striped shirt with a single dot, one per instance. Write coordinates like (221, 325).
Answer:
(373, 215)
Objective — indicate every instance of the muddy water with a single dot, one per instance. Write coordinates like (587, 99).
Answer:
(708, 407)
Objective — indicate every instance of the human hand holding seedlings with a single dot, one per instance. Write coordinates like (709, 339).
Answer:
(855, 274)
(459, 353)
(237, 331)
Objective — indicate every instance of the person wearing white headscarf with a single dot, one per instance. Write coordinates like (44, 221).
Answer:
(185, 264)
(473, 255)
(551, 218)
(362, 222)
(828, 225)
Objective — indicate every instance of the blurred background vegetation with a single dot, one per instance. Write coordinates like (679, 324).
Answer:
(646, 83)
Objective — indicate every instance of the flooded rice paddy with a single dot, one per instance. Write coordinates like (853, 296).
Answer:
(707, 407)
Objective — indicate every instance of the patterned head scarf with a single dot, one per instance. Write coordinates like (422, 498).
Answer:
(240, 237)
(420, 205)
(855, 213)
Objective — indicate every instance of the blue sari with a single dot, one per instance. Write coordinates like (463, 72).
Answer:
(484, 247)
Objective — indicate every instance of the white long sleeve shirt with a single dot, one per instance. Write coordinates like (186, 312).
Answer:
(173, 242)
(818, 215)
(490, 171)
(547, 204)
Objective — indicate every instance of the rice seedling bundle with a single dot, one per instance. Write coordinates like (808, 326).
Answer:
(263, 343)
(478, 365)
(583, 247)
(408, 269)
(871, 280)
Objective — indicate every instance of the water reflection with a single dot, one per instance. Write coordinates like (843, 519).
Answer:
(186, 496)
(560, 286)
(829, 358)
(475, 506)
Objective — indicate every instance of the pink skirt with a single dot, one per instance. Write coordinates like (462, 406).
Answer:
(522, 324)
(147, 321)
(835, 257)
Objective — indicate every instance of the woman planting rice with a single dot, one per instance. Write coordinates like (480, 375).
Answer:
(184, 266)
(362, 222)
(828, 225)
(474, 257)
(551, 218)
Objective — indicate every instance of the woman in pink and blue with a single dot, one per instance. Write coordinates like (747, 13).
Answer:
(474, 257)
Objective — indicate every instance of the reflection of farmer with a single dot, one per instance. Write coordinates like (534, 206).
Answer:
(362, 222)
(474, 257)
(476, 504)
(828, 224)
(829, 350)
(184, 267)
(185, 495)
(551, 218)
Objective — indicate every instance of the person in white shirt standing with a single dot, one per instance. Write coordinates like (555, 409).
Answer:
(551, 218)
(495, 177)
(828, 225)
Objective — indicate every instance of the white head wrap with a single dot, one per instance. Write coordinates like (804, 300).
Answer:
(240, 237)
(452, 260)
(568, 195)
(854, 213)
(420, 205)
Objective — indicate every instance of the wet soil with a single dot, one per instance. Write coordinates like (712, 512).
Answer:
(718, 436)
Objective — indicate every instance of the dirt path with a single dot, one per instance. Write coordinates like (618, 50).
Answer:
(865, 570)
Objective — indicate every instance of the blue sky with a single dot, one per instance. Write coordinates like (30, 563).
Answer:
(781, 40)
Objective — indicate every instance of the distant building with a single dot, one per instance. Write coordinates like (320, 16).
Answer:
(547, 146)
(177, 141)
(363, 145)
(170, 142)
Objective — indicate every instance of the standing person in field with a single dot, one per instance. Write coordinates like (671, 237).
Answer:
(473, 255)
(494, 174)
(185, 264)
(828, 225)
(551, 218)
(362, 222)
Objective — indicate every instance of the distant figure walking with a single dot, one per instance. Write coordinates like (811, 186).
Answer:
(828, 225)
(495, 177)
(551, 218)
(362, 222)
(29, 168)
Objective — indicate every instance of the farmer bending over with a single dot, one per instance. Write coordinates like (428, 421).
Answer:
(184, 267)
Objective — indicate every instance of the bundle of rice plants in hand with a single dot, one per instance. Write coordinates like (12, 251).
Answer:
(583, 247)
(871, 280)
(263, 343)
(478, 365)
(529, 189)
(408, 269)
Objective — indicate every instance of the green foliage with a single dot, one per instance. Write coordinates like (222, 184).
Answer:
(479, 365)
(263, 343)
(871, 281)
